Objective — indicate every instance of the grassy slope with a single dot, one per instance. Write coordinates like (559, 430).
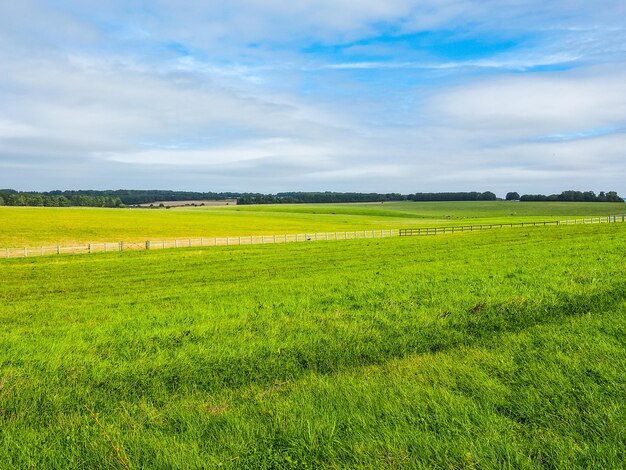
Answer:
(21, 226)
(491, 349)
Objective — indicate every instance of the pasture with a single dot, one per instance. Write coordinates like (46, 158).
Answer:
(36, 226)
(476, 350)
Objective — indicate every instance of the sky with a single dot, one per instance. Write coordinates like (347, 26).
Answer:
(314, 95)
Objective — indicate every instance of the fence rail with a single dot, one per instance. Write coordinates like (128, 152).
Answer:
(100, 247)
(408, 232)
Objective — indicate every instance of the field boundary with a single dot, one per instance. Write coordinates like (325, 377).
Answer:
(102, 247)
(407, 232)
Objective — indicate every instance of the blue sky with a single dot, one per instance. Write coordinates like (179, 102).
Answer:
(270, 95)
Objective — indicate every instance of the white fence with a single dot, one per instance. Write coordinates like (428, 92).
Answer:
(100, 247)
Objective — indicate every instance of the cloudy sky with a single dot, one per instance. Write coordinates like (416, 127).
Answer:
(346, 95)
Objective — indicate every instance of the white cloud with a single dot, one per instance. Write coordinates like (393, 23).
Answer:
(305, 154)
(523, 106)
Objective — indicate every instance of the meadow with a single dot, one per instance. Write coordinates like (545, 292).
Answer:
(36, 226)
(501, 349)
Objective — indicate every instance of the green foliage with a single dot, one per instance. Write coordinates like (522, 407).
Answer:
(316, 198)
(512, 196)
(13, 198)
(116, 198)
(140, 196)
(575, 196)
(504, 349)
(471, 196)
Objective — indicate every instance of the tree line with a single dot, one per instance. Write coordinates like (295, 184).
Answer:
(328, 196)
(568, 196)
(133, 197)
(15, 198)
(316, 197)
(467, 196)
(124, 197)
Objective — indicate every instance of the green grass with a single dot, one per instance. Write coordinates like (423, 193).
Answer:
(483, 350)
(32, 226)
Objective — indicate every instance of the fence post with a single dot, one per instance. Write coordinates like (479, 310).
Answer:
(147, 244)
(25, 251)
(58, 250)
(41, 251)
(121, 247)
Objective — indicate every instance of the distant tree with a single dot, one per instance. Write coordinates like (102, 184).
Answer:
(589, 196)
(575, 196)
(612, 196)
(16, 199)
(1, 201)
(512, 196)
(458, 196)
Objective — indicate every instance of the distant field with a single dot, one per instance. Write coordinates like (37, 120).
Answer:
(502, 349)
(27, 226)
(200, 202)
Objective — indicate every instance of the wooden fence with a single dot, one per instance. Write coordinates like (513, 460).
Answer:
(408, 232)
(101, 247)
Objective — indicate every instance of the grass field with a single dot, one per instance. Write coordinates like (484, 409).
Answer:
(33, 226)
(482, 350)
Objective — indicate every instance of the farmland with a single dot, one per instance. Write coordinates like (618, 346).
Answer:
(34, 226)
(475, 350)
